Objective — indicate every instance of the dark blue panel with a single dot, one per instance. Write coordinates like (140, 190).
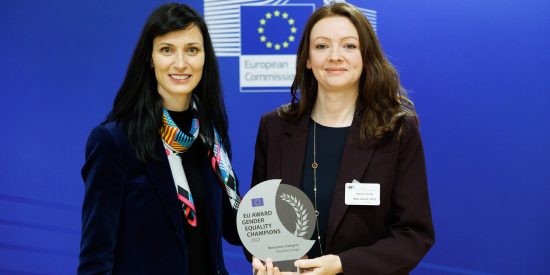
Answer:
(476, 70)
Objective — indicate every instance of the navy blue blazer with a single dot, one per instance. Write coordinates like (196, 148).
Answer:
(390, 238)
(132, 221)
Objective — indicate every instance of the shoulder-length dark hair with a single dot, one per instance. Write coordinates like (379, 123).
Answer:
(382, 102)
(138, 104)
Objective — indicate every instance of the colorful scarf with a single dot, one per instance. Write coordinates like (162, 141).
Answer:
(177, 142)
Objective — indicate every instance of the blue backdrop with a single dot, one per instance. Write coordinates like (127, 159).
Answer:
(478, 72)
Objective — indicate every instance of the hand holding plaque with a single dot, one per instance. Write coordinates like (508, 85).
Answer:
(276, 221)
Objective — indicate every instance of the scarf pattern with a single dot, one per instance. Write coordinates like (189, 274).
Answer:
(177, 142)
(222, 167)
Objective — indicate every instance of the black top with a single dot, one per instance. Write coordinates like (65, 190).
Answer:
(329, 149)
(196, 237)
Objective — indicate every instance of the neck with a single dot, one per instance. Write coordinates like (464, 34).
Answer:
(177, 104)
(334, 109)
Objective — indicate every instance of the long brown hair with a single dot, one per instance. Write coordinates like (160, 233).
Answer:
(382, 102)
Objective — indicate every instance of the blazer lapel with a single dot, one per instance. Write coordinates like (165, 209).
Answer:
(355, 160)
(161, 176)
(293, 151)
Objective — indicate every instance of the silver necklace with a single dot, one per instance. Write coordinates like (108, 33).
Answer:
(315, 165)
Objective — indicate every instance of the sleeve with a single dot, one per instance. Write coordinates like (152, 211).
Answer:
(230, 233)
(104, 177)
(259, 170)
(411, 231)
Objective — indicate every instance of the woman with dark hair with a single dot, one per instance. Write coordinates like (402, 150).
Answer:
(350, 140)
(160, 191)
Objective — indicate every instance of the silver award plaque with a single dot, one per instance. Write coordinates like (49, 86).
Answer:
(276, 221)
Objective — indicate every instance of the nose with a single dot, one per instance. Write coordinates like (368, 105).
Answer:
(335, 54)
(180, 62)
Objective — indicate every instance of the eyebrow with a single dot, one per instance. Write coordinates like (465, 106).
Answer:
(343, 38)
(170, 44)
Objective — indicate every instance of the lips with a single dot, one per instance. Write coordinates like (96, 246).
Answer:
(180, 76)
(335, 70)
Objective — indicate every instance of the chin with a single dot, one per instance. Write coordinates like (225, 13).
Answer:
(186, 92)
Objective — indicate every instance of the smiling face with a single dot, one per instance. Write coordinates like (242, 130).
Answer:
(335, 55)
(178, 60)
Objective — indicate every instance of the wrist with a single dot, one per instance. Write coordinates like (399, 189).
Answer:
(336, 264)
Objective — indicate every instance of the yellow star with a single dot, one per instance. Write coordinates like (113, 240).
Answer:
(260, 30)
(268, 15)
(291, 21)
(277, 47)
(276, 13)
(285, 15)
(293, 30)
(291, 38)
(285, 44)
(262, 21)
(268, 44)
(263, 38)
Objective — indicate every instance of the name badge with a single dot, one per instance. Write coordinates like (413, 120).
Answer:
(362, 193)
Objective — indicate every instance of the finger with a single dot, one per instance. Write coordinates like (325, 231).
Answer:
(257, 264)
(260, 271)
(306, 264)
(269, 266)
(257, 267)
(306, 270)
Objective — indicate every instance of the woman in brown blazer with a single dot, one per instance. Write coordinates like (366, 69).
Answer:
(350, 140)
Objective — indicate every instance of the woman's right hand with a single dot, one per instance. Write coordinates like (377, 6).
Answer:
(258, 268)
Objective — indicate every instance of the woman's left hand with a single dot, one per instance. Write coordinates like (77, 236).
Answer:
(328, 264)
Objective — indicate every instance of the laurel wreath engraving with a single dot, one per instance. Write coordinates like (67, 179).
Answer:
(300, 211)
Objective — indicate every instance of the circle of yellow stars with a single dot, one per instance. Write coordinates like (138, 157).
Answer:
(266, 41)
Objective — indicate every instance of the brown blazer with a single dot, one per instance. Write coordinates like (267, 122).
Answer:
(388, 239)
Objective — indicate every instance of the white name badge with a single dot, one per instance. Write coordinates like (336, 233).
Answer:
(362, 193)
